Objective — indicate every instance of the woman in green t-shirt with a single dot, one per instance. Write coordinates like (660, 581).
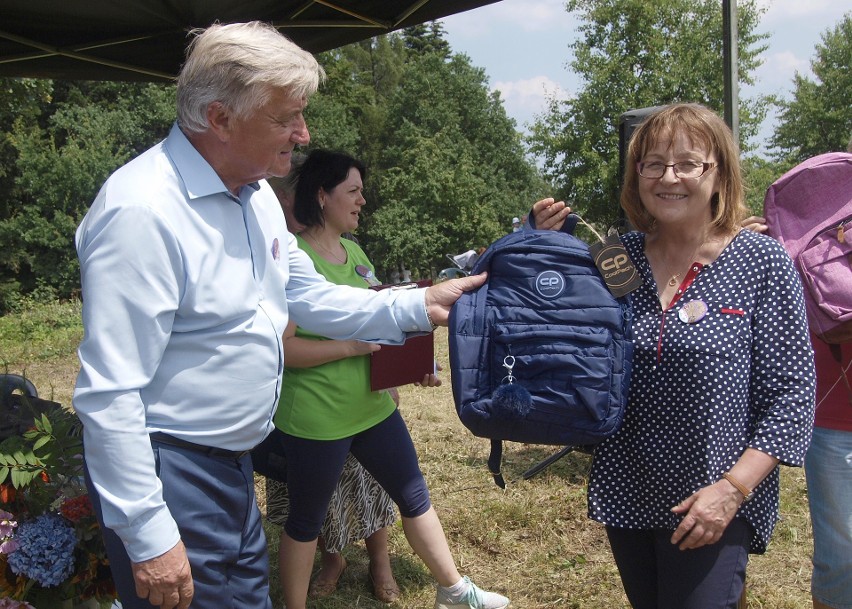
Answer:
(327, 409)
(359, 508)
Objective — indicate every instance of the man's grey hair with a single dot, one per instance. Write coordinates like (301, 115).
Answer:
(239, 65)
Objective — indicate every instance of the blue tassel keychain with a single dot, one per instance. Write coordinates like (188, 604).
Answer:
(510, 400)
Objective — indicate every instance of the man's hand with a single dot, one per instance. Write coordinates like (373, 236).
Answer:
(756, 224)
(166, 581)
(441, 297)
(549, 214)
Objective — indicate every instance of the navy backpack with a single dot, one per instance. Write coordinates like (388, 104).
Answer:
(541, 352)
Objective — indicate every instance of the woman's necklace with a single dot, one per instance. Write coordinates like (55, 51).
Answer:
(326, 250)
(673, 280)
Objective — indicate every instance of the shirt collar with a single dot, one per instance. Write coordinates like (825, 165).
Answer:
(198, 176)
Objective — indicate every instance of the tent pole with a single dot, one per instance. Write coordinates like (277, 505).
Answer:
(729, 56)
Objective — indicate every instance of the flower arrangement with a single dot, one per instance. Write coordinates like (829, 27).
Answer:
(51, 550)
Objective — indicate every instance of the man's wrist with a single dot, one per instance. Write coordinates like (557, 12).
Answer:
(429, 319)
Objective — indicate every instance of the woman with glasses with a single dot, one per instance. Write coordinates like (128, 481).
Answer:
(722, 389)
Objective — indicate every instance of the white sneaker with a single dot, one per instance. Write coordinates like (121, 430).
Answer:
(473, 598)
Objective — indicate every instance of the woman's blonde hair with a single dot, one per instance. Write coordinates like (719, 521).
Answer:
(704, 127)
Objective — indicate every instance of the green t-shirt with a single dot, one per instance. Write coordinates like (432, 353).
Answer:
(332, 400)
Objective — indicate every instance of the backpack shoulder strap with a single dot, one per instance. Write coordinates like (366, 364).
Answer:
(494, 460)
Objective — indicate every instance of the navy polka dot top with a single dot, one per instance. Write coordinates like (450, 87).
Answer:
(728, 366)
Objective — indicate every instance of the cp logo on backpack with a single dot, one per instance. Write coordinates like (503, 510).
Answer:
(540, 354)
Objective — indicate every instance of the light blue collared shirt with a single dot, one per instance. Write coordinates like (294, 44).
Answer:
(186, 293)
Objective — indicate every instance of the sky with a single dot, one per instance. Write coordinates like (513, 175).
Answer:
(523, 47)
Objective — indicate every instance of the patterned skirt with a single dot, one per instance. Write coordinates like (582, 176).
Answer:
(359, 507)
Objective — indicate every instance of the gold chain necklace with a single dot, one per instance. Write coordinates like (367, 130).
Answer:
(327, 251)
(673, 279)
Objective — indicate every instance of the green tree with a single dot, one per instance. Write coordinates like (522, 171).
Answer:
(818, 118)
(635, 54)
(22, 101)
(88, 130)
(453, 170)
(447, 169)
(374, 69)
(447, 166)
(758, 174)
(427, 39)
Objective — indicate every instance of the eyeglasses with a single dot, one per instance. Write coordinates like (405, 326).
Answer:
(687, 169)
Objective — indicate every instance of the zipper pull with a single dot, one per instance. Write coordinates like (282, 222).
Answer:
(841, 233)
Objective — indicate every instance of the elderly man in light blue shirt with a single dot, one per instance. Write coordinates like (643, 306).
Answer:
(189, 277)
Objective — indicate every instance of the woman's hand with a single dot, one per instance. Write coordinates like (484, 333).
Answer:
(708, 513)
(359, 347)
(431, 380)
(306, 353)
(549, 214)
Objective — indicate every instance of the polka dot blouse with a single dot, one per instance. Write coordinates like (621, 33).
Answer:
(726, 367)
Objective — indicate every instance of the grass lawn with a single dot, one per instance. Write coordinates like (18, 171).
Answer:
(531, 541)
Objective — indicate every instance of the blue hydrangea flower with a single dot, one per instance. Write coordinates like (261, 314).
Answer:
(46, 550)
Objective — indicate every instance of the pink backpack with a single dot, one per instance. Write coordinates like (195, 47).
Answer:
(809, 210)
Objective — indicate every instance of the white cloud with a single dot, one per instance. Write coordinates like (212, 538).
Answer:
(538, 16)
(784, 10)
(527, 16)
(516, 39)
(525, 98)
(776, 73)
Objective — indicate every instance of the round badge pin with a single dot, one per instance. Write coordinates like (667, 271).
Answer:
(367, 274)
(692, 312)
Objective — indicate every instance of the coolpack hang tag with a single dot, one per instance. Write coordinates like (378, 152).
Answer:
(616, 267)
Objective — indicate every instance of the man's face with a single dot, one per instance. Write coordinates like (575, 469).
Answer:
(261, 145)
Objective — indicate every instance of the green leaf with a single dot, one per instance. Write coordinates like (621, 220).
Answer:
(48, 427)
(41, 442)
